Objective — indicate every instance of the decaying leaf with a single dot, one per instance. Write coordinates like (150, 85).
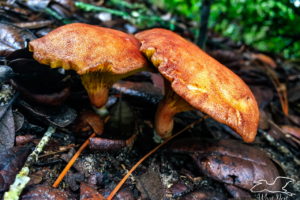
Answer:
(11, 162)
(7, 129)
(13, 38)
(7, 125)
(58, 116)
(46, 193)
(230, 161)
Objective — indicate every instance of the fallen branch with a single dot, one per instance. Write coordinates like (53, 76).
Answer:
(22, 177)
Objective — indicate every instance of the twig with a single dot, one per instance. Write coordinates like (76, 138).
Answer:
(72, 161)
(22, 177)
(134, 16)
(280, 89)
(117, 188)
(205, 12)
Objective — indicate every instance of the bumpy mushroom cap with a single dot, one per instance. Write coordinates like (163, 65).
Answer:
(100, 55)
(202, 81)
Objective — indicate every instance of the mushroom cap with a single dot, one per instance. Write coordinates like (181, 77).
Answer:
(202, 81)
(88, 48)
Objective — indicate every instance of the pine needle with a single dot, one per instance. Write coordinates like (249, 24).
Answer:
(72, 161)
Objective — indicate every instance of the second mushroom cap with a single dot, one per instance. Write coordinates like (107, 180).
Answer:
(200, 80)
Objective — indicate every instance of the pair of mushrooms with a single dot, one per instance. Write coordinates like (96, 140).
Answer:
(102, 56)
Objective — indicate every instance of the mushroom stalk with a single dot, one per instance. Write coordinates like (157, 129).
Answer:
(167, 109)
(97, 85)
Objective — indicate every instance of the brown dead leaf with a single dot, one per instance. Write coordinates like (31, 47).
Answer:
(292, 130)
(24, 139)
(11, 162)
(45, 193)
(230, 161)
(89, 121)
(13, 38)
(87, 192)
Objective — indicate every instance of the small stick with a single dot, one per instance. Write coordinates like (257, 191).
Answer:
(117, 188)
(22, 177)
(72, 161)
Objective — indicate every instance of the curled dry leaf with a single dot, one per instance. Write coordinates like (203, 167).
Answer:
(101, 56)
(46, 193)
(89, 121)
(231, 162)
(199, 80)
(13, 38)
(11, 162)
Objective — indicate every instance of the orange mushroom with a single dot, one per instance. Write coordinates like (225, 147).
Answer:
(101, 56)
(198, 81)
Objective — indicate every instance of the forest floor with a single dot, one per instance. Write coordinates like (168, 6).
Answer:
(207, 161)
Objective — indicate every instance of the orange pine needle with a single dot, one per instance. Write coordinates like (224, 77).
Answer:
(117, 188)
(72, 161)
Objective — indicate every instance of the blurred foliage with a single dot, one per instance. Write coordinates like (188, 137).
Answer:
(268, 25)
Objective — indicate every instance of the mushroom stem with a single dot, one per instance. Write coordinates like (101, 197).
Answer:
(97, 85)
(169, 106)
